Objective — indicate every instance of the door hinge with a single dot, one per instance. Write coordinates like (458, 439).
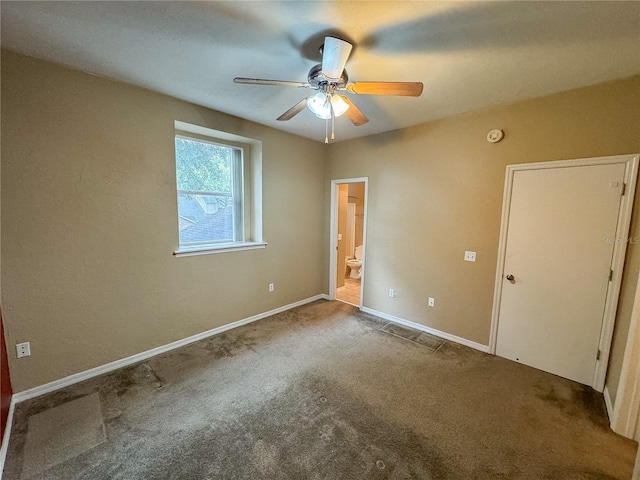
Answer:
(624, 189)
(598, 355)
(610, 275)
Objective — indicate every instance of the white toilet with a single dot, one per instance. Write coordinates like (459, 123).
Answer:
(355, 264)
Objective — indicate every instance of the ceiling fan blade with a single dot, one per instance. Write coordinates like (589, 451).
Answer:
(353, 113)
(293, 111)
(261, 81)
(408, 89)
(334, 57)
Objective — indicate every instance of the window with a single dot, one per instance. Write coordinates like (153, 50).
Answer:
(214, 195)
(209, 180)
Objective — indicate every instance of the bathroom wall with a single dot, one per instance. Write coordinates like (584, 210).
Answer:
(356, 195)
(343, 199)
(435, 190)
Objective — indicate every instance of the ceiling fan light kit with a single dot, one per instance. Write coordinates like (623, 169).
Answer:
(330, 77)
(322, 105)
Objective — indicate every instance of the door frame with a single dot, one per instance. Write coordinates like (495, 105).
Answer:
(625, 419)
(333, 234)
(619, 249)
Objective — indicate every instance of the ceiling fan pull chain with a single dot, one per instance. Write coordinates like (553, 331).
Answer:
(333, 120)
(326, 131)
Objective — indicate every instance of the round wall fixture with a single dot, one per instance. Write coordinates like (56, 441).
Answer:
(495, 135)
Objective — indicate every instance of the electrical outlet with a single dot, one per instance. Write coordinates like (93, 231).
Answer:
(271, 287)
(23, 349)
(432, 302)
(469, 256)
(392, 293)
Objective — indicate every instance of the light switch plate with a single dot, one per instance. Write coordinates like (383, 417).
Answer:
(469, 256)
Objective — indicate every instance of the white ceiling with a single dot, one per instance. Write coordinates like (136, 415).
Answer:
(469, 55)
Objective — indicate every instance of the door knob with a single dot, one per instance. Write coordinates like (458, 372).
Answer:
(510, 277)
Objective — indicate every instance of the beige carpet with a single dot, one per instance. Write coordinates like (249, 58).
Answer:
(326, 392)
(61, 433)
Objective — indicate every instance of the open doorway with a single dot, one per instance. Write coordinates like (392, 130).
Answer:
(348, 234)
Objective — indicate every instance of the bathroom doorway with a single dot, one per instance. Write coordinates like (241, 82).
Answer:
(348, 235)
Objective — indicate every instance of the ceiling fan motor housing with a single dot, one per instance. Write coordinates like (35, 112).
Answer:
(318, 81)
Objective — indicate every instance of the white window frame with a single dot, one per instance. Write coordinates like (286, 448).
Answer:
(247, 183)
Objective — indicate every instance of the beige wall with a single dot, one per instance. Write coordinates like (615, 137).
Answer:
(435, 190)
(89, 223)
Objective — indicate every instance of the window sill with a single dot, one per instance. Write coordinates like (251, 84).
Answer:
(221, 248)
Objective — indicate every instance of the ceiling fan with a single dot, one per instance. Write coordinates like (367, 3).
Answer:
(329, 78)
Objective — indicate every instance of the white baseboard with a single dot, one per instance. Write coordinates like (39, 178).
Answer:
(124, 362)
(608, 402)
(432, 331)
(5, 438)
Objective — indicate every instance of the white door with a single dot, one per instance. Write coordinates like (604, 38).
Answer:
(560, 238)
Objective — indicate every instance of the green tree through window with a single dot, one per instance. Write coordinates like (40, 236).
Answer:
(203, 167)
